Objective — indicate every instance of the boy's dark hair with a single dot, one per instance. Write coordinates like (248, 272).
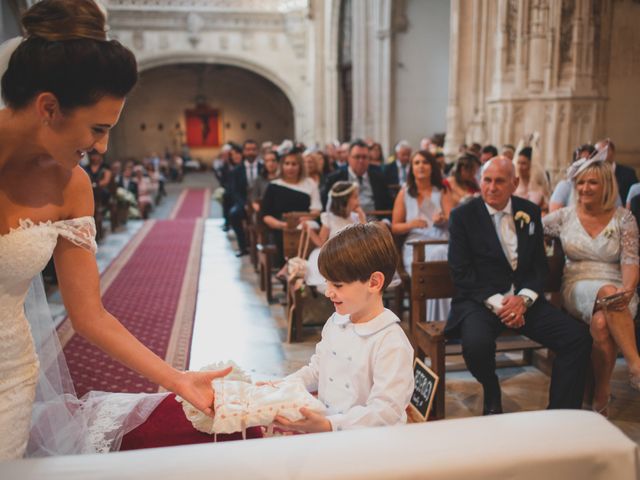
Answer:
(339, 202)
(357, 252)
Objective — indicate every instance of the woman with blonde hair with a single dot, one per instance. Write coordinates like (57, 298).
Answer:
(600, 277)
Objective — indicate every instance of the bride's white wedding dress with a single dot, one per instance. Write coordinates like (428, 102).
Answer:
(37, 404)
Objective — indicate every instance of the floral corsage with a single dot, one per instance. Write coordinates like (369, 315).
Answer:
(523, 217)
(608, 232)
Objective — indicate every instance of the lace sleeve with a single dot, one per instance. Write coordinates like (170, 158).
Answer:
(553, 222)
(79, 231)
(628, 239)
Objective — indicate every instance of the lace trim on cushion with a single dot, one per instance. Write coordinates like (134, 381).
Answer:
(80, 231)
(628, 238)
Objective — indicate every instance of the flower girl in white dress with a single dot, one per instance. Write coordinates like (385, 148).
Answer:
(64, 88)
(344, 210)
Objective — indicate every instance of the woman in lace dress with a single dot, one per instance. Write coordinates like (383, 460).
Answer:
(601, 245)
(421, 211)
(64, 89)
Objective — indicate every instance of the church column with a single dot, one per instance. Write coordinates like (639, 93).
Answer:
(360, 50)
(455, 134)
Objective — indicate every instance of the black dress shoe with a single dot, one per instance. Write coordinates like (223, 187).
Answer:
(242, 253)
(492, 404)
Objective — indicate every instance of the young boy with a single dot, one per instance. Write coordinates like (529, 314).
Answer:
(363, 366)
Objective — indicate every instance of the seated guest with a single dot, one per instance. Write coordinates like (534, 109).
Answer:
(601, 245)
(462, 184)
(487, 153)
(625, 176)
(376, 157)
(127, 180)
(314, 164)
(292, 192)
(498, 264)
(421, 212)
(362, 367)
(532, 181)
(562, 195)
(342, 156)
(508, 151)
(634, 191)
(374, 193)
(144, 189)
(396, 173)
(100, 176)
(242, 177)
(270, 171)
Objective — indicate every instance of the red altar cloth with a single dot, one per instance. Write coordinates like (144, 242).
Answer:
(168, 426)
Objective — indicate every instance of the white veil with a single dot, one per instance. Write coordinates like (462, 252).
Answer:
(62, 424)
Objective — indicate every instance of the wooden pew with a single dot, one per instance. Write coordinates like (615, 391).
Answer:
(432, 280)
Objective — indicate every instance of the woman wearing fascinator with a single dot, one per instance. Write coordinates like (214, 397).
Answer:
(64, 88)
(600, 276)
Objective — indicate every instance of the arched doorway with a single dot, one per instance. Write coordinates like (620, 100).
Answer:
(239, 103)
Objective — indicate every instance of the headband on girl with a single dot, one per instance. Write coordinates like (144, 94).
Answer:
(343, 193)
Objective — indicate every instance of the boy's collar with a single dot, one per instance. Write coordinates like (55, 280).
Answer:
(382, 321)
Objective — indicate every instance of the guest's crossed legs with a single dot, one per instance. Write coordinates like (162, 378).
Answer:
(568, 338)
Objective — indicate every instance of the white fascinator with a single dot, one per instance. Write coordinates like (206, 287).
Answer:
(576, 168)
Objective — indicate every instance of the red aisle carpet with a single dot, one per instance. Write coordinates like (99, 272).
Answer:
(151, 288)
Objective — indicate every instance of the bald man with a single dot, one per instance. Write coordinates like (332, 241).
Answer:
(498, 264)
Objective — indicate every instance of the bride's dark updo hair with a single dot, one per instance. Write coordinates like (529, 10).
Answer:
(66, 52)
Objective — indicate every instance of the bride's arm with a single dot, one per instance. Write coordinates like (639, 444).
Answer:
(79, 283)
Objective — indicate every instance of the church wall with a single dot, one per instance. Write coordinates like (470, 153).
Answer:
(9, 23)
(164, 93)
(421, 72)
(623, 108)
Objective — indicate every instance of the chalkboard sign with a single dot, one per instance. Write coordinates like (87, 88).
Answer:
(424, 389)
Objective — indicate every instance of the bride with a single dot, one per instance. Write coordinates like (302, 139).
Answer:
(64, 88)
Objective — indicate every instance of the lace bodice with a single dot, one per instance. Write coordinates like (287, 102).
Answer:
(24, 252)
(616, 243)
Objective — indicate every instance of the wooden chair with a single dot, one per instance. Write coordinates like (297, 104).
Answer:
(432, 280)
(253, 228)
(267, 252)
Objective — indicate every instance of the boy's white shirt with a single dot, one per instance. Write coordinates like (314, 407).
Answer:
(363, 372)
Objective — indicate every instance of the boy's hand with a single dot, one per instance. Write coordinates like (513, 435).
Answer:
(311, 423)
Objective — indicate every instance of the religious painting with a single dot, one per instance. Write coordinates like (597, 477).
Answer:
(203, 127)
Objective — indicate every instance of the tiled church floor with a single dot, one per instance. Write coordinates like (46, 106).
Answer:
(234, 322)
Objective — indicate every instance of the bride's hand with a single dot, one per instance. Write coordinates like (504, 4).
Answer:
(195, 388)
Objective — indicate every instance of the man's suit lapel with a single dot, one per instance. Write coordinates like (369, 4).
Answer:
(487, 225)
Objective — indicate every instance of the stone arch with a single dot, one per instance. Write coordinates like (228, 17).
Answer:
(176, 58)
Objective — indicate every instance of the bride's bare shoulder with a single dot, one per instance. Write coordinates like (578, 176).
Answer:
(78, 194)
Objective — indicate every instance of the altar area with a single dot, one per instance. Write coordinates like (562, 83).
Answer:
(560, 445)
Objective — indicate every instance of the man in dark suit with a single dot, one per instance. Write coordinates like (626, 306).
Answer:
(396, 173)
(625, 176)
(241, 178)
(374, 192)
(498, 263)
